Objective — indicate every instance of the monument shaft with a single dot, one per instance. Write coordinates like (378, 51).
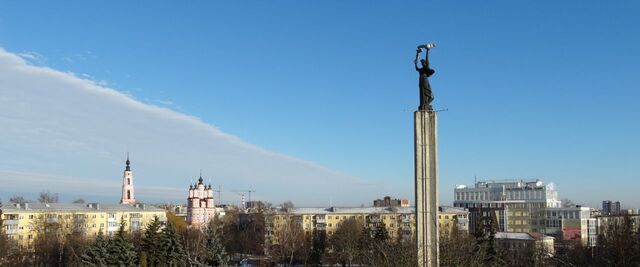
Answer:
(426, 168)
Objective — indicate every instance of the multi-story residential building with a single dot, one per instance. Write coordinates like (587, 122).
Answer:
(571, 224)
(610, 208)
(398, 221)
(448, 217)
(22, 222)
(516, 205)
(604, 222)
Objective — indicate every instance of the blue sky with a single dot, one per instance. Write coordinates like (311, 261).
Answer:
(542, 89)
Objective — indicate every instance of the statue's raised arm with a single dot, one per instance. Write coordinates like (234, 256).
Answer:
(426, 95)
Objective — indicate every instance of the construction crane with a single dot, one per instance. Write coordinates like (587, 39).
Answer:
(219, 194)
(244, 203)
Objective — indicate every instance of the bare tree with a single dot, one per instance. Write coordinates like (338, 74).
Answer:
(18, 199)
(48, 197)
(344, 242)
(79, 201)
(287, 205)
(290, 240)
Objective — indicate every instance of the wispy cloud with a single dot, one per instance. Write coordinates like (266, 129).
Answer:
(64, 125)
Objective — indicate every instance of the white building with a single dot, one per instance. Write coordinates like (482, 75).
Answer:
(571, 224)
(200, 205)
(517, 205)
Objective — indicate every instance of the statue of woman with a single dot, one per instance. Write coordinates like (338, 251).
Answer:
(426, 96)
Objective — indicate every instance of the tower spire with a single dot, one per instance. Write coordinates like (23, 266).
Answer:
(200, 181)
(128, 163)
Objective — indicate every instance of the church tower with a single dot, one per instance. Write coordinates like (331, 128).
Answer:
(127, 185)
(200, 206)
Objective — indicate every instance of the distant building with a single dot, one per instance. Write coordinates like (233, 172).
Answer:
(388, 202)
(516, 205)
(518, 242)
(452, 218)
(610, 208)
(200, 204)
(571, 224)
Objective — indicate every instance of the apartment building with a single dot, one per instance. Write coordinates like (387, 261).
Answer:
(22, 222)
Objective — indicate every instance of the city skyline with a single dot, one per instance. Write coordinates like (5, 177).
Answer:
(297, 105)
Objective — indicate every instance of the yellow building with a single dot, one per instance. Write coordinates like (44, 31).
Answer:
(450, 218)
(397, 220)
(22, 222)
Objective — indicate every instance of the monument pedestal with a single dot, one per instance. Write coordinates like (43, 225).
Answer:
(426, 168)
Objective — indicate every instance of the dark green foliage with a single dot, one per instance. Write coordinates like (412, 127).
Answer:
(121, 249)
(151, 243)
(486, 248)
(97, 254)
(318, 243)
(172, 248)
(214, 251)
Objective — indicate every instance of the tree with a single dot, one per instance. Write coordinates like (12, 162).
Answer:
(97, 254)
(151, 243)
(567, 203)
(79, 201)
(4, 242)
(48, 197)
(344, 242)
(318, 244)
(173, 253)
(214, 251)
(121, 249)
(18, 200)
(486, 248)
(287, 205)
(290, 240)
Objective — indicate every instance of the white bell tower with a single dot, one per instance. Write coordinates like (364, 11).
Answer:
(128, 196)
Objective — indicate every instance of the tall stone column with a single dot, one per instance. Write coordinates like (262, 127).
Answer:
(426, 156)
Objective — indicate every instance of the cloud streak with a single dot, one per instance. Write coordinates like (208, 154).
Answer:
(57, 125)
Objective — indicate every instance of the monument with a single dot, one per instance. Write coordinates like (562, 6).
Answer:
(426, 166)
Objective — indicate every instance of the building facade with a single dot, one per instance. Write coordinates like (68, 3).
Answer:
(399, 222)
(571, 224)
(610, 208)
(200, 204)
(452, 219)
(516, 205)
(23, 222)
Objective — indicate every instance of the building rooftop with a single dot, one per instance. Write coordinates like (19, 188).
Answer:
(76, 207)
(347, 210)
(521, 236)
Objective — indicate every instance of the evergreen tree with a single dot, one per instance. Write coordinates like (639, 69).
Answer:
(173, 253)
(97, 253)
(4, 241)
(121, 249)
(215, 254)
(151, 244)
(381, 233)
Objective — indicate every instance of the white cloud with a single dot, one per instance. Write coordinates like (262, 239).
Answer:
(58, 125)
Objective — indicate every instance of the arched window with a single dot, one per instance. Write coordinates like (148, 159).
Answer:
(128, 194)
(129, 181)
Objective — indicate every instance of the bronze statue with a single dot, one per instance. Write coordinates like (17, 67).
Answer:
(426, 96)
